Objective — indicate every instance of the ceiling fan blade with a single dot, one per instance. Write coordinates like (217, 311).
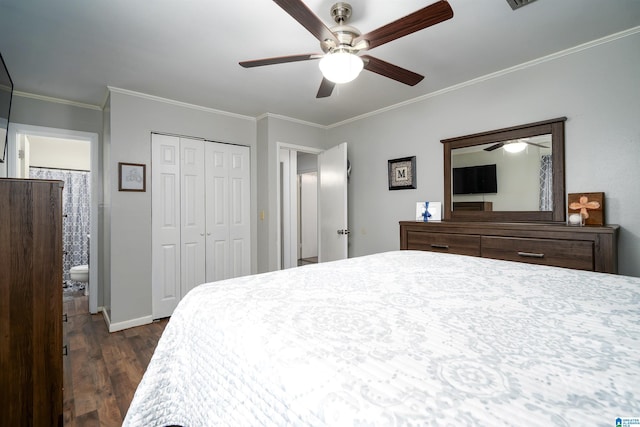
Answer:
(301, 13)
(416, 21)
(536, 144)
(391, 71)
(494, 146)
(280, 60)
(326, 88)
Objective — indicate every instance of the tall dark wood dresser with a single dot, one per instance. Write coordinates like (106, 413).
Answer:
(30, 303)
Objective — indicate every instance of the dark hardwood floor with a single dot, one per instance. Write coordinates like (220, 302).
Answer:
(102, 370)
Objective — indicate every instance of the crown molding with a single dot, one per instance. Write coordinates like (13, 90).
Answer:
(178, 103)
(524, 65)
(291, 119)
(56, 100)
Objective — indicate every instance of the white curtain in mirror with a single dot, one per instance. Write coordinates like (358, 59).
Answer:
(546, 183)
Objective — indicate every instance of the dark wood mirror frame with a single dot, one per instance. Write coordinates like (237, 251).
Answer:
(555, 127)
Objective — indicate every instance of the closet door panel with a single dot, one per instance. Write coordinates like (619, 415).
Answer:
(239, 200)
(192, 213)
(217, 267)
(165, 224)
(217, 161)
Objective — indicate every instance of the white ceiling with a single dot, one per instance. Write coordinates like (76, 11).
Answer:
(189, 50)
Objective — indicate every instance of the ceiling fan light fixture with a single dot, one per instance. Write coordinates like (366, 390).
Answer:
(515, 147)
(341, 66)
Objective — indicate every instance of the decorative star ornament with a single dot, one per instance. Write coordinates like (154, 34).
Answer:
(584, 205)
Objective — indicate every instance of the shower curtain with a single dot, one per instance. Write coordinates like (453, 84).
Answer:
(546, 183)
(76, 204)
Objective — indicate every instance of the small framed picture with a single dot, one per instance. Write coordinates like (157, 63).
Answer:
(132, 177)
(402, 173)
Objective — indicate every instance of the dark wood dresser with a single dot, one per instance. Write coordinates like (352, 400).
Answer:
(30, 303)
(583, 248)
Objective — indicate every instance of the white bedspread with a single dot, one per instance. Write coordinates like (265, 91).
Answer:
(399, 338)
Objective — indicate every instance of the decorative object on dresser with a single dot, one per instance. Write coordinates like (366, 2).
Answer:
(31, 302)
(583, 248)
(428, 211)
(589, 206)
(402, 173)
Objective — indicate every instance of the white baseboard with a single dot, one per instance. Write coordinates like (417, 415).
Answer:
(115, 327)
(105, 316)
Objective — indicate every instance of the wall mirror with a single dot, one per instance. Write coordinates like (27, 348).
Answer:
(514, 174)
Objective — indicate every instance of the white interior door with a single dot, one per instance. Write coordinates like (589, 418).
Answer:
(332, 203)
(200, 216)
(217, 184)
(239, 216)
(228, 229)
(192, 214)
(165, 225)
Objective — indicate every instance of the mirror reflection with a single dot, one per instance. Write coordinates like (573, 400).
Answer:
(511, 175)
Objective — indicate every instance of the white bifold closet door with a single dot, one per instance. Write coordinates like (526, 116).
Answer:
(200, 216)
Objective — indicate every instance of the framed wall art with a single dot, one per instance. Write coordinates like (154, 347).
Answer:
(132, 177)
(402, 173)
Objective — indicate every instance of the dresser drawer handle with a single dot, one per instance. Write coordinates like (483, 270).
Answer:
(530, 255)
(433, 245)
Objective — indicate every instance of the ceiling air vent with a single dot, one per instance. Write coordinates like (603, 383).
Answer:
(516, 4)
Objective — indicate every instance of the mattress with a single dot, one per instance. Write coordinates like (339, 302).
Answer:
(400, 338)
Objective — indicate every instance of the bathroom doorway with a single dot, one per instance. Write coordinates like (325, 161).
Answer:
(69, 156)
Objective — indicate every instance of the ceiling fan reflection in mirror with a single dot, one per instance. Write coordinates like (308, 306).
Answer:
(340, 62)
(515, 145)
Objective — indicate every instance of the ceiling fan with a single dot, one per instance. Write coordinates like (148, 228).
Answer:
(516, 145)
(342, 43)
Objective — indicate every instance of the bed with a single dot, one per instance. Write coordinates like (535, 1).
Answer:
(400, 338)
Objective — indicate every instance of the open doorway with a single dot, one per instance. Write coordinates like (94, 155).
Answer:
(331, 168)
(297, 206)
(70, 156)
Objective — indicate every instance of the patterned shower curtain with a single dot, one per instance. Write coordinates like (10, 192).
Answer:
(76, 203)
(546, 183)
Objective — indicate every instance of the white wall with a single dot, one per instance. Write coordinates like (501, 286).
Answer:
(132, 120)
(597, 89)
(59, 153)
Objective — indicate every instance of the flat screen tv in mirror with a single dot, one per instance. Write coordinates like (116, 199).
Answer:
(6, 94)
(475, 180)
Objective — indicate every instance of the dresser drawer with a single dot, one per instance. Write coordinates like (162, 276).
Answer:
(442, 242)
(560, 253)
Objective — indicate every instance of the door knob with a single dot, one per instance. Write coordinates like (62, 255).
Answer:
(342, 232)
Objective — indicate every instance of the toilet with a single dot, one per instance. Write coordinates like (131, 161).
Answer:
(80, 273)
